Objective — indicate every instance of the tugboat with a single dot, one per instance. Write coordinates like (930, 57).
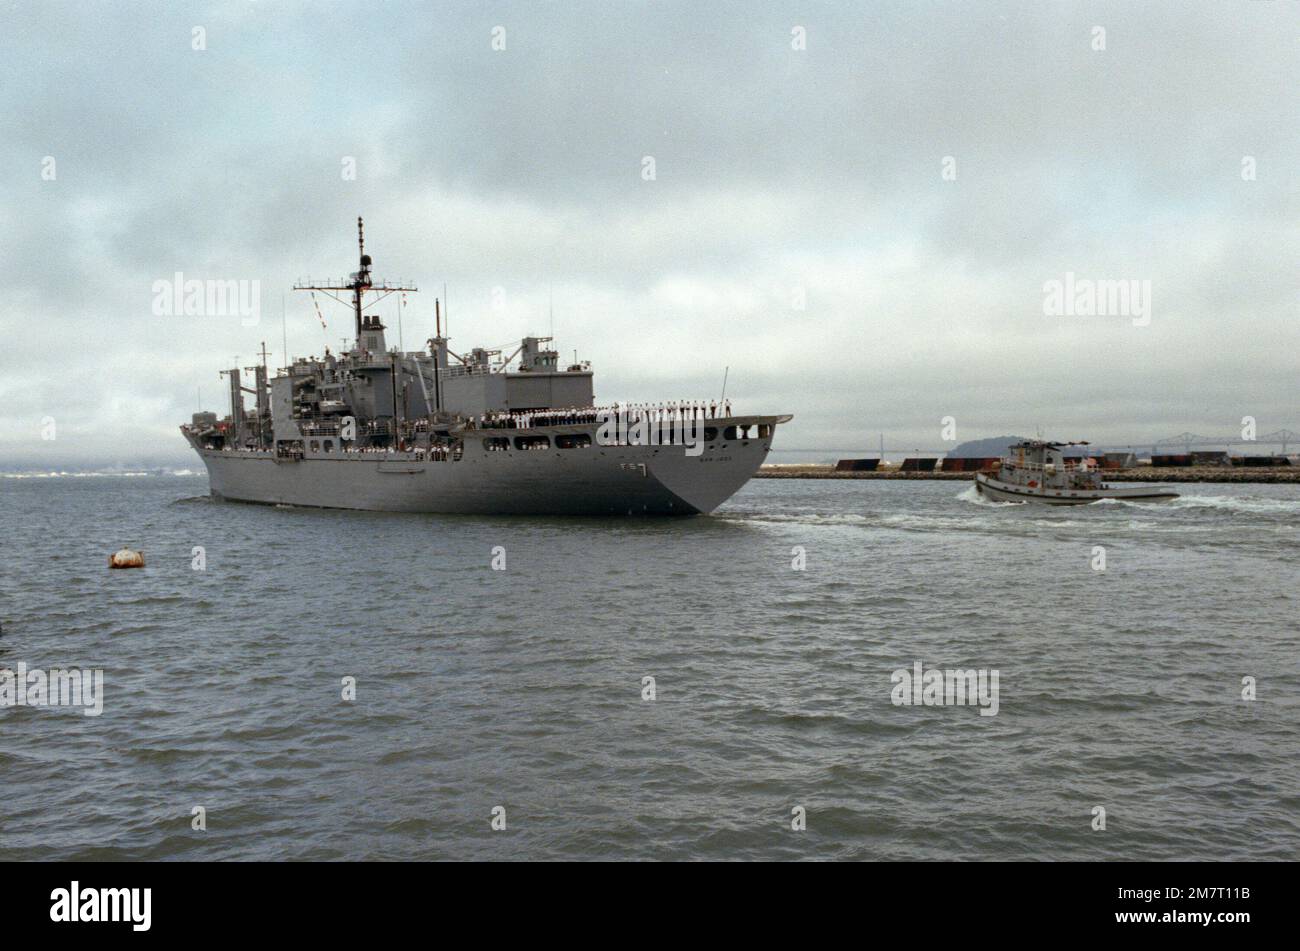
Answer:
(1037, 471)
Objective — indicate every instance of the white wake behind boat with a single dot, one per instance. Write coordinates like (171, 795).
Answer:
(1038, 472)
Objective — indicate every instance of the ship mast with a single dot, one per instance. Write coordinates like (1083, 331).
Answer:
(362, 275)
(359, 282)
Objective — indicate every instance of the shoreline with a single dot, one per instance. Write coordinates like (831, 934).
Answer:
(1279, 475)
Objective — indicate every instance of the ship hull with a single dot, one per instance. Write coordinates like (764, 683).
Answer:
(592, 480)
(1008, 492)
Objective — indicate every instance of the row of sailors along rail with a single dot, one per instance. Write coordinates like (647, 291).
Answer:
(670, 412)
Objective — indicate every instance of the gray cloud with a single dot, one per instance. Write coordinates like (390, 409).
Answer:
(779, 172)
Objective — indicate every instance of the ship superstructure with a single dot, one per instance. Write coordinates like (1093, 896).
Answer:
(480, 432)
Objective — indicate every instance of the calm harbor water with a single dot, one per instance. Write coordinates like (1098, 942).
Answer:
(522, 688)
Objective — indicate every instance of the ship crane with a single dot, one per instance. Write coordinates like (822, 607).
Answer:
(518, 350)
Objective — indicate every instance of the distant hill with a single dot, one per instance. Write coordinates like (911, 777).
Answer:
(985, 448)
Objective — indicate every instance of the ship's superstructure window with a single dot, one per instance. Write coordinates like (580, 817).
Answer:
(496, 444)
(315, 445)
(710, 433)
(532, 442)
(329, 445)
(573, 441)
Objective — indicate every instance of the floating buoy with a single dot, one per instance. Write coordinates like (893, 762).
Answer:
(126, 558)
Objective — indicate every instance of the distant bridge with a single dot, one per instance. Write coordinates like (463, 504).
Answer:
(876, 449)
(1280, 437)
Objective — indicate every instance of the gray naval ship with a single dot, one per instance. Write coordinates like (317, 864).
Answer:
(480, 433)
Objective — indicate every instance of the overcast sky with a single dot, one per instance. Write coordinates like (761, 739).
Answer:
(799, 227)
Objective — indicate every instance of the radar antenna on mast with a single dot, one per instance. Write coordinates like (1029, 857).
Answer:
(359, 282)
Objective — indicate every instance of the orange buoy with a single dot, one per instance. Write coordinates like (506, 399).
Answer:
(126, 558)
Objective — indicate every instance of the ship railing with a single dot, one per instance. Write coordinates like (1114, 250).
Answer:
(474, 369)
(1035, 467)
(549, 417)
(558, 415)
(1066, 464)
(311, 427)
